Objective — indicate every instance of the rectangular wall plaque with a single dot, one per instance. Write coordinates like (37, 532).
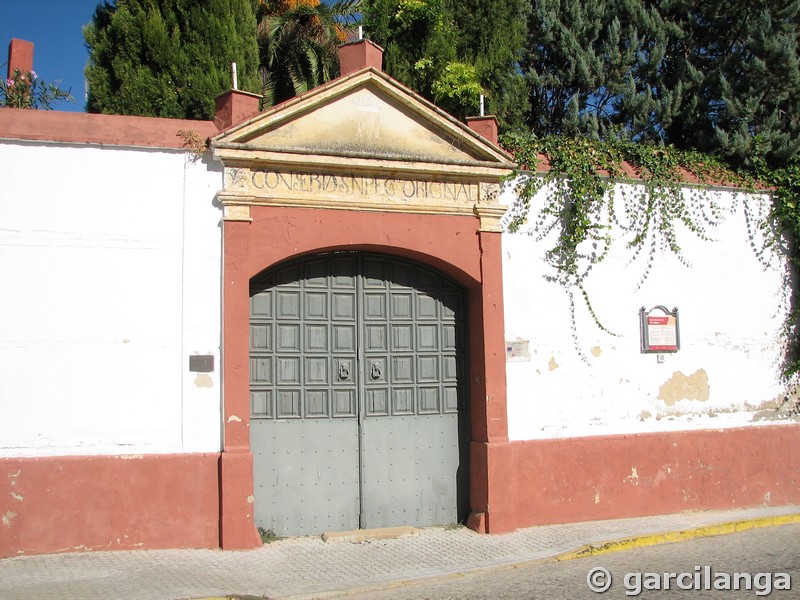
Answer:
(517, 350)
(201, 363)
(660, 332)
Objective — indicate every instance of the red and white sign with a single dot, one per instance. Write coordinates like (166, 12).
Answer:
(662, 334)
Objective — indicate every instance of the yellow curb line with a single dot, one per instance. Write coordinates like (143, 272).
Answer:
(643, 541)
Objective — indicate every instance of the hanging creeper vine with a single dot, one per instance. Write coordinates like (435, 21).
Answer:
(584, 203)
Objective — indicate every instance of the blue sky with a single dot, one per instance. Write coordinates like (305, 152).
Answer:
(54, 27)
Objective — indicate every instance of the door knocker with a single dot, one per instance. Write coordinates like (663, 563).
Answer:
(344, 371)
(375, 370)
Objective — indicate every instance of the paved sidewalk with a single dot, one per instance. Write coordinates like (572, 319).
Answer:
(307, 567)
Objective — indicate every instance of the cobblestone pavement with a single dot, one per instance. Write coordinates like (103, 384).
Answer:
(768, 551)
(309, 567)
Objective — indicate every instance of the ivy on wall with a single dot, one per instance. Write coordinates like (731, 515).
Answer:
(584, 205)
(784, 220)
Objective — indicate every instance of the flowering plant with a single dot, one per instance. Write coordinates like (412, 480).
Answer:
(26, 90)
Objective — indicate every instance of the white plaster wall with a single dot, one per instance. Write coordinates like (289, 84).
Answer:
(731, 310)
(109, 279)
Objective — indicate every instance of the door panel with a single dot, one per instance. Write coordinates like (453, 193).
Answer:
(306, 480)
(410, 434)
(410, 470)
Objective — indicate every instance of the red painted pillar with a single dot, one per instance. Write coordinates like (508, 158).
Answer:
(494, 335)
(234, 107)
(489, 497)
(20, 56)
(500, 516)
(489, 421)
(486, 126)
(358, 55)
(237, 525)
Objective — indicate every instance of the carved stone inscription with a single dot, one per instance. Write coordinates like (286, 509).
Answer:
(278, 184)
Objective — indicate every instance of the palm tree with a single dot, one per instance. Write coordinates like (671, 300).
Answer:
(298, 43)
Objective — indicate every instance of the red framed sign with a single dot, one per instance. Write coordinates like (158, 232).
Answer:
(659, 332)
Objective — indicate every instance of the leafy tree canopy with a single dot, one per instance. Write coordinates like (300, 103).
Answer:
(299, 43)
(169, 58)
(451, 52)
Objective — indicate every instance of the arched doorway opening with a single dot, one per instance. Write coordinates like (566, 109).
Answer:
(358, 399)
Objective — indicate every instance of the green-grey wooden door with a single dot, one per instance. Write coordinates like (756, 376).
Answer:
(357, 395)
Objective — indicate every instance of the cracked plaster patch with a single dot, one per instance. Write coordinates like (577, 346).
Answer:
(685, 387)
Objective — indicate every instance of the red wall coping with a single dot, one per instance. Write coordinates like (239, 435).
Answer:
(156, 132)
(86, 128)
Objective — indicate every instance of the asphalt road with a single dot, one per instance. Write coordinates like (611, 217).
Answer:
(769, 551)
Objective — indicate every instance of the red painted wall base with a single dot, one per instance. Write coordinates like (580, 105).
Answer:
(63, 504)
(541, 482)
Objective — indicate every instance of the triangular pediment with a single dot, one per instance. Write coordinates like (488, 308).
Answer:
(362, 142)
(368, 116)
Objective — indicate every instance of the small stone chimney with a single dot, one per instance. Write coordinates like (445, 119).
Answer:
(358, 55)
(485, 126)
(20, 56)
(234, 107)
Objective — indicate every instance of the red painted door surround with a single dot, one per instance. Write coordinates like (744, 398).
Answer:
(362, 163)
(452, 244)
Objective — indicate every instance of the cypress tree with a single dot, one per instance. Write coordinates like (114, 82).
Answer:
(169, 58)
(718, 76)
(583, 61)
(739, 60)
